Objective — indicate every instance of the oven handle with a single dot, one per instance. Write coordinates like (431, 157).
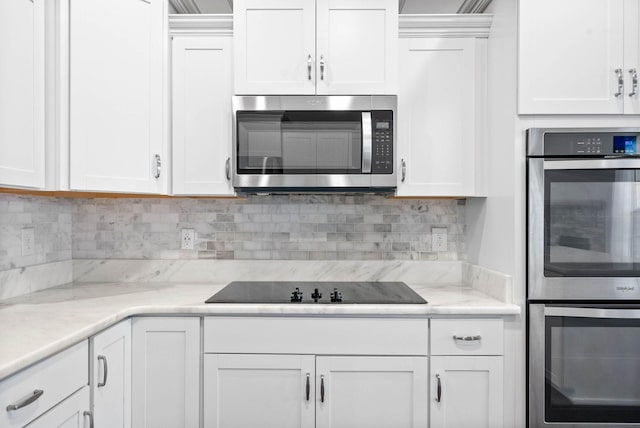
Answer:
(555, 311)
(615, 163)
(367, 143)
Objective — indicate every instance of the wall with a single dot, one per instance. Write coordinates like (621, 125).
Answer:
(496, 225)
(302, 227)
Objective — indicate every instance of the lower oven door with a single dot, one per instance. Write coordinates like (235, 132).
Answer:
(584, 366)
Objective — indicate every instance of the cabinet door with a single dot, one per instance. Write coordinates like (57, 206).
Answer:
(371, 392)
(22, 153)
(71, 413)
(259, 391)
(111, 376)
(437, 132)
(274, 46)
(470, 392)
(165, 372)
(116, 99)
(631, 56)
(569, 51)
(201, 115)
(357, 41)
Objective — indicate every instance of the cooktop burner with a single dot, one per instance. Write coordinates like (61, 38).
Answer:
(316, 292)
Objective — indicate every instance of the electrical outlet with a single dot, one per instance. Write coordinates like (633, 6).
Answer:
(187, 239)
(439, 239)
(28, 241)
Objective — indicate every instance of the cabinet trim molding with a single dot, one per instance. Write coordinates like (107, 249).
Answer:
(445, 25)
(201, 25)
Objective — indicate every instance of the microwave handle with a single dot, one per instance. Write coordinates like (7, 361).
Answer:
(367, 143)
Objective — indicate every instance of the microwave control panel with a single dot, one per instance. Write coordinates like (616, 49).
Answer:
(382, 135)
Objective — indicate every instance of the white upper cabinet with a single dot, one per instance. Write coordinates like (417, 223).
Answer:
(441, 99)
(578, 57)
(275, 46)
(303, 47)
(201, 112)
(22, 142)
(116, 95)
(356, 48)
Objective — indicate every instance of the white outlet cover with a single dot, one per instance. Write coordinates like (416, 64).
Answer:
(187, 239)
(28, 241)
(439, 239)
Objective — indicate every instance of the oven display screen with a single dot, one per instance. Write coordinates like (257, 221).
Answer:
(624, 144)
(382, 125)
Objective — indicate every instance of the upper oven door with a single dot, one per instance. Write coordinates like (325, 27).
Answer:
(584, 229)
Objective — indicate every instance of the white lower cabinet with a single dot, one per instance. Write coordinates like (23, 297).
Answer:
(315, 372)
(165, 386)
(371, 392)
(111, 376)
(314, 391)
(470, 392)
(466, 375)
(37, 393)
(71, 413)
(267, 391)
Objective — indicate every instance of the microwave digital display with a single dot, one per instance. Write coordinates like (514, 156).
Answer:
(382, 125)
(625, 144)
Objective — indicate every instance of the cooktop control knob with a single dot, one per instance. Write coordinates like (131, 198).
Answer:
(336, 296)
(296, 296)
(316, 295)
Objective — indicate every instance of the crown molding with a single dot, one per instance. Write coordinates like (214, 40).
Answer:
(445, 25)
(201, 24)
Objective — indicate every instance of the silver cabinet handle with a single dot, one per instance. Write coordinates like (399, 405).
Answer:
(158, 166)
(88, 413)
(308, 387)
(309, 64)
(404, 170)
(322, 67)
(634, 82)
(105, 370)
(476, 338)
(438, 389)
(227, 169)
(33, 397)
(367, 142)
(618, 72)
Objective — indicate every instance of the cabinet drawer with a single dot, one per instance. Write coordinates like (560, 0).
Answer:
(307, 335)
(58, 377)
(467, 337)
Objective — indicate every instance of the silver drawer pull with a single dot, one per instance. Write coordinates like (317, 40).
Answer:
(36, 394)
(105, 371)
(620, 79)
(468, 338)
(90, 415)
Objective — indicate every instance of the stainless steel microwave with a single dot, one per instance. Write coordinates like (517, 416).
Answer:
(314, 143)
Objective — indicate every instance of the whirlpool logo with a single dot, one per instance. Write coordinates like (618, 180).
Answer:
(625, 288)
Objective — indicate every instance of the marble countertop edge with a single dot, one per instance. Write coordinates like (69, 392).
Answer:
(36, 330)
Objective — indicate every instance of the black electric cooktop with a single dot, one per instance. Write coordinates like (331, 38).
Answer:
(317, 292)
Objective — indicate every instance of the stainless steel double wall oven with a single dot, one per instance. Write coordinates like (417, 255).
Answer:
(583, 277)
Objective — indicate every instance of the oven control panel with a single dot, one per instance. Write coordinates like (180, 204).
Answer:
(591, 144)
(382, 135)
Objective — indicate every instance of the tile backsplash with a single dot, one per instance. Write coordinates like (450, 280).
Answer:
(279, 227)
(282, 227)
(50, 219)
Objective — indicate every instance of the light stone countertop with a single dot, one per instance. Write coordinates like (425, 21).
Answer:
(40, 324)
